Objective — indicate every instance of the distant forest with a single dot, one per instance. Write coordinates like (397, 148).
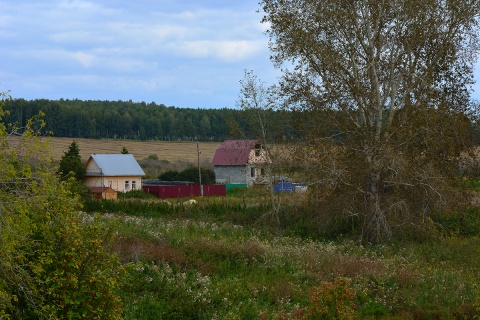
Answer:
(124, 119)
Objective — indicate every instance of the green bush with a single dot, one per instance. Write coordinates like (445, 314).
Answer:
(464, 223)
(54, 262)
(330, 300)
(190, 174)
(135, 194)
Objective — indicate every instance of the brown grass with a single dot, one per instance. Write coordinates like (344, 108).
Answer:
(165, 150)
(134, 249)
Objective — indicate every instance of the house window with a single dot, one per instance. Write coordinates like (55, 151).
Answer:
(127, 185)
(252, 172)
(134, 185)
(257, 149)
(262, 171)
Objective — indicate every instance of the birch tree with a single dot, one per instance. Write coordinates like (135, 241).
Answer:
(258, 103)
(383, 87)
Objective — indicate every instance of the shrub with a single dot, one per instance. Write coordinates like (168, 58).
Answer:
(53, 260)
(330, 300)
(189, 174)
(169, 175)
(135, 194)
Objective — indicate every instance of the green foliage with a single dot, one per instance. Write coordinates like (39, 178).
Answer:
(170, 175)
(124, 119)
(152, 157)
(54, 261)
(330, 300)
(135, 194)
(211, 268)
(189, 174)
(221, 251)
(382, 141)
(75, 273)
(124, 150)
(191, 291)
(71, 164)
(129, 206)
(464, 223)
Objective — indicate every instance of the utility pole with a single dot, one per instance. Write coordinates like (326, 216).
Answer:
(199, 171)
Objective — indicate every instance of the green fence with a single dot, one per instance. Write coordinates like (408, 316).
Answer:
(231, 186)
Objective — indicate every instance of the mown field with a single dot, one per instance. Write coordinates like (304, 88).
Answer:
(222, 259)
(165, 150)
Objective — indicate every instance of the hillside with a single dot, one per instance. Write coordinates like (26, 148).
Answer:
(165, 150)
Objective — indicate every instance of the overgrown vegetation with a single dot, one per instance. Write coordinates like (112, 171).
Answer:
(54, 260)
(380, 94)
(389, 227)
(218, 259)
(190, 174)
(209, 267)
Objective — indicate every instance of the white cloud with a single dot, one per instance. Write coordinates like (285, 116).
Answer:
(238, 50)
(229, 50)
(77, 4)
(144, 50)
(85, 59)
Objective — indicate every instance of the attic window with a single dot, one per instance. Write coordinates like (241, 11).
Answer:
(258, 148)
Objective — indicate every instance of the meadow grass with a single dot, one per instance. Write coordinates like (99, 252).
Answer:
(201, 263)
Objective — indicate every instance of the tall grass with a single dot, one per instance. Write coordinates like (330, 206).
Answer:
(184, 267)
(220, 259)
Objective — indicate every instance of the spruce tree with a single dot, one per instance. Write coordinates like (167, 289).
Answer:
(71, 164)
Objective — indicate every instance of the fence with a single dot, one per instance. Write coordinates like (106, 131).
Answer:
(185, 191)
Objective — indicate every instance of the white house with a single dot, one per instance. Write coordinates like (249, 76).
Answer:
(121, 172)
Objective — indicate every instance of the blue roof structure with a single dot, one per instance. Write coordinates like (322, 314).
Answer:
(117, 164)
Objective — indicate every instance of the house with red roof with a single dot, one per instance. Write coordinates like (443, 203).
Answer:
(241, 162)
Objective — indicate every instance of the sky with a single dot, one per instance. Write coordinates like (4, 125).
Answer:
(182, 53)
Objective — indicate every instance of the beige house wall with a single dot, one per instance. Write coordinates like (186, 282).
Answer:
(116, 183)
(258, 157)
(256, 169)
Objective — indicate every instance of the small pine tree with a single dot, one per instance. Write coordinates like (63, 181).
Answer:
(125, 151)
(71, 164)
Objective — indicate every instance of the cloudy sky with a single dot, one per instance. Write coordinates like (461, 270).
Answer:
(182, 53)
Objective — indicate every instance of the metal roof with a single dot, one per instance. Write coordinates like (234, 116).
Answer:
(117, 164)
(233, 152)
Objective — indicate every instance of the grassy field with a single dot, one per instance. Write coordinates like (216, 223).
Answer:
(216, 261)
(164, 150)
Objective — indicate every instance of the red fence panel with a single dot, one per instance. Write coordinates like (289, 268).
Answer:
(185, 191)
(214, 190)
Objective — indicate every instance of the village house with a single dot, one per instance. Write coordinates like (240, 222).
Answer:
(120, 172)
(241, 162)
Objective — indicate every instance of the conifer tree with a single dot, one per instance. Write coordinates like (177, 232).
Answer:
(71, 164)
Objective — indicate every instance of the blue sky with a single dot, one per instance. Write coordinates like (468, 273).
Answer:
(183, 53)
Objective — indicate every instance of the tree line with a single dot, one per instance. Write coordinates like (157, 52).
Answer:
(124, 119)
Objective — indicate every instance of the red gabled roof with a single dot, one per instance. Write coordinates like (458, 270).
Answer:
(233, 152)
